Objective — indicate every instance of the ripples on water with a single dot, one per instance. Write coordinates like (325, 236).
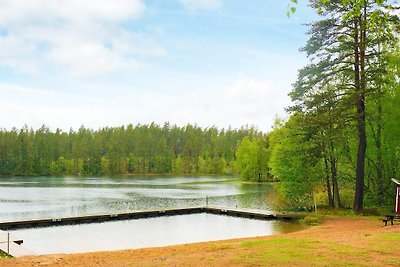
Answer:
(24, 198)
(152, 232)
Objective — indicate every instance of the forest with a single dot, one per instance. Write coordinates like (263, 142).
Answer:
(140, 149)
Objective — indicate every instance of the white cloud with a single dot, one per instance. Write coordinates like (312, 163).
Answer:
(81, 37)
(94, 59)
(17, 54)
(35, 106)
(244, 101)
(201, 4)
(14, 12)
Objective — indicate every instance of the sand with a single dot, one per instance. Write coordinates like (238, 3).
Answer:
(356, 235)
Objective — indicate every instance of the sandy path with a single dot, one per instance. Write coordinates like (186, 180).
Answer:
(354, 233)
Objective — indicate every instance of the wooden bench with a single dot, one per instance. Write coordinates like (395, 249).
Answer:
(391, 218)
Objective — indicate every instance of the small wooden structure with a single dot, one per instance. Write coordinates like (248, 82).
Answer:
(397, 204)
(394, 217)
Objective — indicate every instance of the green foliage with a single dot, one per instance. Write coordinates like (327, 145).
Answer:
(344, 95)
(294, 163)
(252, 158)
(140, 149)
(312, 220)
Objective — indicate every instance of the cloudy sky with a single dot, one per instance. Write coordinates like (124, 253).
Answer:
(68, 63)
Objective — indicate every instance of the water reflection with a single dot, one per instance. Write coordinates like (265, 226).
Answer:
(152, 232)
(24, 198)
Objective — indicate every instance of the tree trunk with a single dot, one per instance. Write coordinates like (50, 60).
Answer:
(380, 164)
(360, 82)
(378, 143)
(328, 184)
(336, 195)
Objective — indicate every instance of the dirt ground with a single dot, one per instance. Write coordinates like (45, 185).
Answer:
(336, 242)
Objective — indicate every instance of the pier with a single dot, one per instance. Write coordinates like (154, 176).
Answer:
(97, 218)
(15, 249)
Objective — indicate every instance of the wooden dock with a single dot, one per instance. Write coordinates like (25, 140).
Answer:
(252, 214)
(97, 218)
(12, 246)
(17, 250)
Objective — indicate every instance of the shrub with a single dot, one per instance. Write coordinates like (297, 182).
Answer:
(312, 220)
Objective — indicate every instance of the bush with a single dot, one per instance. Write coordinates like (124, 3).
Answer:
(347, 197)
(312, 220)
(296, 196)
(370, 212)
(280, 203)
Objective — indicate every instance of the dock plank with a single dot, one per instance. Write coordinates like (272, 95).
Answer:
(98, 218)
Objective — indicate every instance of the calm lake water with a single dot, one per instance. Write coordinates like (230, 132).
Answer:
(141, 233)
(23, 198)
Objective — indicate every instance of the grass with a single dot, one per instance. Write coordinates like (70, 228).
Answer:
(4, 255)
(326, 212)
(393, 262)
(312, 220)
(311, 252)
(389, 237)
(385, 244)
(280, 251)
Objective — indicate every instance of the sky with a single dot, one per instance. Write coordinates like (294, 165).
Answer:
(99, 63)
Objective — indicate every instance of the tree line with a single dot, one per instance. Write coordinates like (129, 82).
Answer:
(343, 131)
(139, 149)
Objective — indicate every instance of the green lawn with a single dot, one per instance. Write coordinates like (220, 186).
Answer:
(380, 249)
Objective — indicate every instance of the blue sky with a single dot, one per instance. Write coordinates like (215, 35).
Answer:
(102, 63)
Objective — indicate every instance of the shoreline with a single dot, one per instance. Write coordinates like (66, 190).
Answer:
(337, 242)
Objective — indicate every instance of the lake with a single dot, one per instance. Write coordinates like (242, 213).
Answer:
(141, 233)
(23, 198)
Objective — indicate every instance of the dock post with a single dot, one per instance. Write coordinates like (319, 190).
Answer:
(8, 244)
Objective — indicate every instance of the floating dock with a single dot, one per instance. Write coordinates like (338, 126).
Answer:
(13, 246)
(97, 218)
